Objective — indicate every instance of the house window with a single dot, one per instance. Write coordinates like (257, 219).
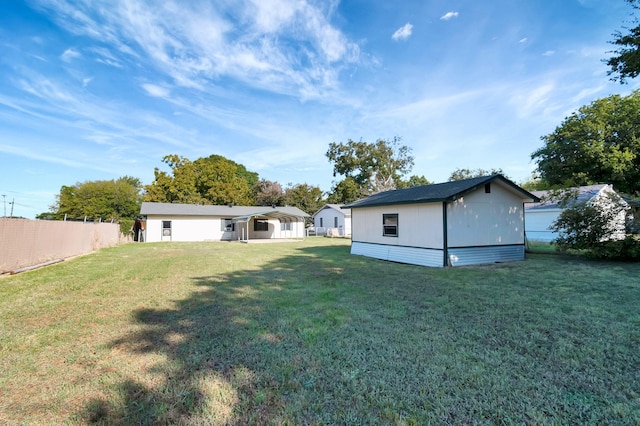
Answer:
(227, 225)
(166, 228)
(487, 188)
(260, 225)
(390, 225)
(335, 221)
(321, 222)
(285, 226)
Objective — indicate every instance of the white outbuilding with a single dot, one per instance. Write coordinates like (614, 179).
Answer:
(466, 222)
(332, 219)
(540, 216)
(197, 222)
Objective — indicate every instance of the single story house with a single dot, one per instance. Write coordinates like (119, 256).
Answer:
(196, 222)
(332, 219)
(540, 216)
(466, 222)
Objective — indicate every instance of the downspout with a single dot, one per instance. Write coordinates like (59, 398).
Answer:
(524, 228)
(445, 239)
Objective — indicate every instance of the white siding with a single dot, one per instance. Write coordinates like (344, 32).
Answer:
(184, 228)
(419, 225)
(481, 219)
(328, 216)
(188, 228)
(537, 223)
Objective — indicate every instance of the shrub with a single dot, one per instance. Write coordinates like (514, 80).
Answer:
(627, 249)
(586, 225)
(126, 225)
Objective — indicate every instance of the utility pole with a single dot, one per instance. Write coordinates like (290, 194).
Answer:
(13, 202)
(4, 201)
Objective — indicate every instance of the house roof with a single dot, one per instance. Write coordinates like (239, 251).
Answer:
(231, 211)
(336, 207)
(552, 199)
(439, 192)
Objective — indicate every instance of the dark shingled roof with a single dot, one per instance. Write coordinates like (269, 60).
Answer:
(439, 192)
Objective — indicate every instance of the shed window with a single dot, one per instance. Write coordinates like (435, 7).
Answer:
(390, 225)
(227, 225)
(260, 225)
(487, 188)
(335, 221)
(321, 223)
(166, 228)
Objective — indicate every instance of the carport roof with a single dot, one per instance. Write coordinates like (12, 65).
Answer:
(229, 211)
(278, 214)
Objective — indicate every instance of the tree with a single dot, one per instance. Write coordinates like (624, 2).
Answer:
(461, 174)
(268, 193)
(626, 62)
(307, 198)
(583, 226)
(345, 191)
(98, 200)
(414, 180)
(210, 180)
(600, 143)
(373, 167)
(535, 183)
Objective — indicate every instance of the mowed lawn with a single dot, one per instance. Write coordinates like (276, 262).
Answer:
(304, 333)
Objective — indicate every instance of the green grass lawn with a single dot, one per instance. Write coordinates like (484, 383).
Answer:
(304, 333)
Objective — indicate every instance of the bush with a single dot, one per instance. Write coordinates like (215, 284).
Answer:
(126, 225)
(627, 249)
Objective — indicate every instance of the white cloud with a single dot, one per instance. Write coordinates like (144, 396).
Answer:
(282, 46)
(449, 15)
(523, 40)
(403, 32)
(534, 100)
(549, 53)
(156, 91)
(70, 54)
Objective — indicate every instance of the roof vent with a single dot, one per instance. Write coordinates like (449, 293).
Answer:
(230, 205)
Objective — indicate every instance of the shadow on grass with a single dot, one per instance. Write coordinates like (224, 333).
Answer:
(320, 337)
(233, 353)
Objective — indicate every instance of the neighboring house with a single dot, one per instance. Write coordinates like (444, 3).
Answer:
(540, 216)
(194, 222)
(332, 219)
(466, 222)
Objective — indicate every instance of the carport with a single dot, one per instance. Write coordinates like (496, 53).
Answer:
(283, 216)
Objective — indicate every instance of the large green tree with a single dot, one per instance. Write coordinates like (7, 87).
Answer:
(211, 180)
(345, 191)
(600, 143)
(626, 60)
(308, 198)
(461, 174)
(98, 200)
(414, 180)
(372, 167)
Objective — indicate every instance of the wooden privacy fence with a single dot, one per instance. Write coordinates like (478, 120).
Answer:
(25, 243)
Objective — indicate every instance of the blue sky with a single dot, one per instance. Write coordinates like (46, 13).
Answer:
(93, 90)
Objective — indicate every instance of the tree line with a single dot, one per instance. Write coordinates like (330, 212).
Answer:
(599, 143)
